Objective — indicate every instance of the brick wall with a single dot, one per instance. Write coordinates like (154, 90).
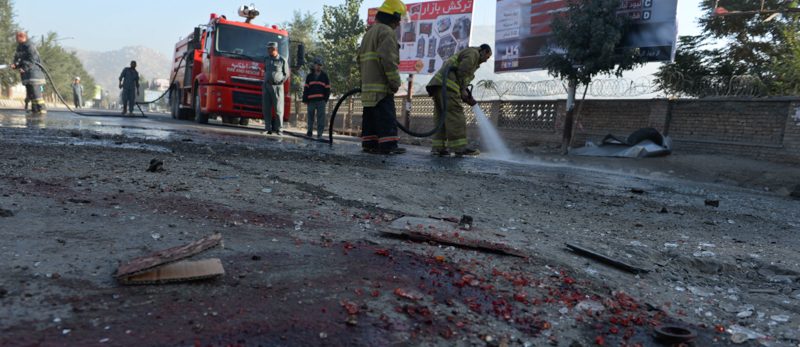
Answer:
(767, 129)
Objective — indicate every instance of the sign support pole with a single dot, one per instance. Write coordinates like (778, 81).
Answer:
(409, 97)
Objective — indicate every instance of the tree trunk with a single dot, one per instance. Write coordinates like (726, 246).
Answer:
(568, 121)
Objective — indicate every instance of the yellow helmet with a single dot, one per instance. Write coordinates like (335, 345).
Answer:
(395, 8)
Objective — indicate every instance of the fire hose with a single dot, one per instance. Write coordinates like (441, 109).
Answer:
(403, 128)
(95, 115)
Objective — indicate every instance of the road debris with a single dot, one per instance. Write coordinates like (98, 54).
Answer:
(607, 260)
(427, 230)
(674, 334)
(465, 223)
(712, 203)
(6, 213)
(169, 265)
(155, 166)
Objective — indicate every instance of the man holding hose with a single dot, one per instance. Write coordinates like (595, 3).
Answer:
(454, 131)
(25, 60)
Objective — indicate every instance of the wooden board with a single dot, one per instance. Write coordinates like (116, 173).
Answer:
(180, 271)
(160, 259)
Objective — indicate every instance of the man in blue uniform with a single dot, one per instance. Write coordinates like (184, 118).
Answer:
(128, 79)
(276, 71)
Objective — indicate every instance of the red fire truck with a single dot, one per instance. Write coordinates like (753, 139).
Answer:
(223, 70)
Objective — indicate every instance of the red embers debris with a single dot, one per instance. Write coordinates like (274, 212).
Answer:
(351, 307)
(409, 293)
(471, 280)
(39, 169)
(569, 280)
(359, 292)
(384, 252)
(614, 329)
(520, 296)
(628, 334)
(376, 292)
(719, 328)
(600, 340)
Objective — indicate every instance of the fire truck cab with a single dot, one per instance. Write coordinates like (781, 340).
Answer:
(218, 71)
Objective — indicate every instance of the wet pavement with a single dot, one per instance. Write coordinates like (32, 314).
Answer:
(160, 126)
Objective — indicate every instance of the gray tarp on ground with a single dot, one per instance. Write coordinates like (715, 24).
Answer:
(642, 143)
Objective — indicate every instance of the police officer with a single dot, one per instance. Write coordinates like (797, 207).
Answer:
(276, 71)
(25, 60)
(128, 79)
(379, 60)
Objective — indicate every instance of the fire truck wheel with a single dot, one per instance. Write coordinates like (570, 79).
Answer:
(199, 117)
(244, 121)
(225, 120)
(173, 104)
(234, 120)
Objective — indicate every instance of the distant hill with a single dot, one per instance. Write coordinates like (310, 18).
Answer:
(105, 67)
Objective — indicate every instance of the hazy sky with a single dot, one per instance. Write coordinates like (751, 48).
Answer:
(110, 25)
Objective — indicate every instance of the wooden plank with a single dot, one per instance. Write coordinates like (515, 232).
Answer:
(166, 257)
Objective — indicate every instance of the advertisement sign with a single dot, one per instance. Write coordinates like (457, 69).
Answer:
(437, 30)
(522, 31)
(98, 92)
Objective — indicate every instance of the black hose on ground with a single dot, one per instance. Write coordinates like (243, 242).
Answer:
(404, 129)
(100, 115)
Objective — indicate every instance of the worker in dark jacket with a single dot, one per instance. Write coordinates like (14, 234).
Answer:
(128, 79)
(276, 71)
(25, 60)
(316, 92)
(77, 92)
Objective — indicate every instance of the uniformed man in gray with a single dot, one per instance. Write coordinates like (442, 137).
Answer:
(77, 92)
(276, 71)
(128, 79)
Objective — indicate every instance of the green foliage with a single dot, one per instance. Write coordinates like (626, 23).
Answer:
(585, 39)
(766, 49)
(340, 33)
(784, 67)
(303, 28)
(63, 68)
(8, 43)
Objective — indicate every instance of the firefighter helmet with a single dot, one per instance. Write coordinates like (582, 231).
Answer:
(395, 8)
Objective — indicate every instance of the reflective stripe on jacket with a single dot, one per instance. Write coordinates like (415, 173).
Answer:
(317, 87)
(467, 61)
(378, 59)
(26, 58)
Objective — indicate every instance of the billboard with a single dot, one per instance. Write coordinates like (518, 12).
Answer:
(522, 31)
(437, 30)
(151, 95)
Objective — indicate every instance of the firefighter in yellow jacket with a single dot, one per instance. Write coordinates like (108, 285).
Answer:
(454, 131)
(379, 60)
